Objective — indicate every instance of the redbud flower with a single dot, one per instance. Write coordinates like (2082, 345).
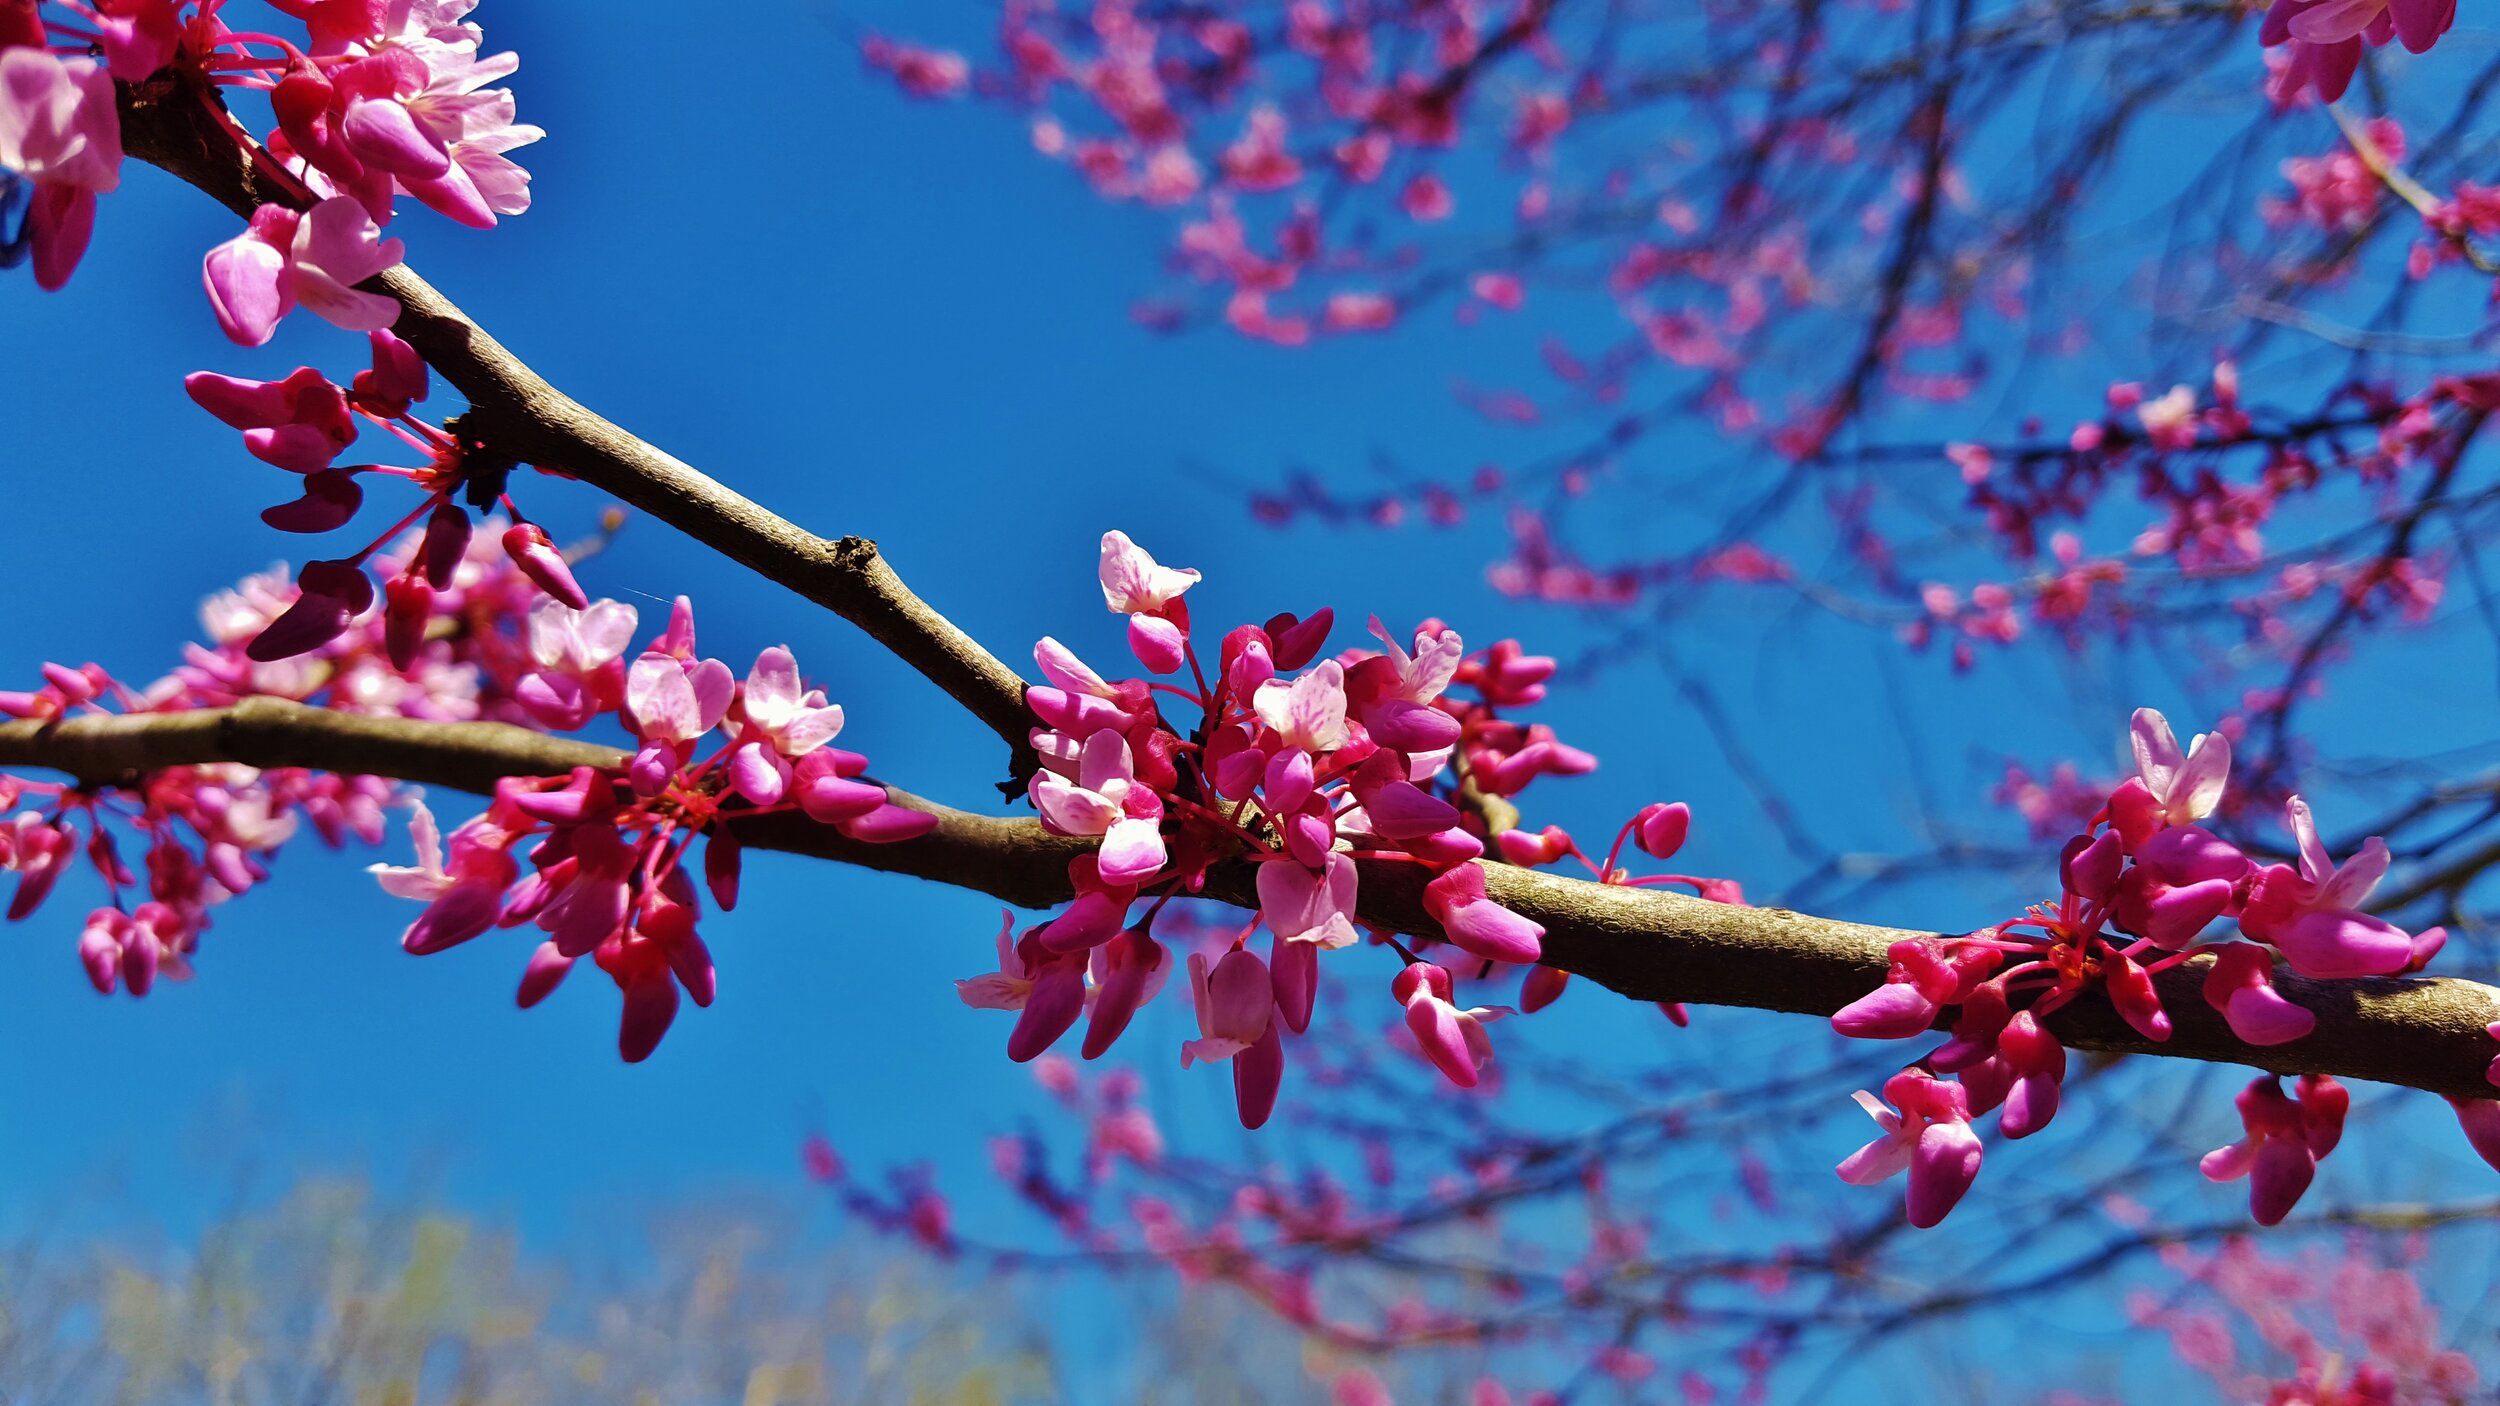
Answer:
(2285, 1138)
(462, 900)
(2186, 787)
(2241, 986)
(315, 259)
(2314, 918)
(1453, 1039)
(1930, 1138)
(1128, 971)
(1480, 926)
(1236, 1005)
(528, 545)
(60, 130)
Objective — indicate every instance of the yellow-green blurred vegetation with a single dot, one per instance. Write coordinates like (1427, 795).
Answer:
(331, 1298)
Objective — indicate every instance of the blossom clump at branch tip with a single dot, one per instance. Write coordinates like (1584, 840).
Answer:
(2140, 891)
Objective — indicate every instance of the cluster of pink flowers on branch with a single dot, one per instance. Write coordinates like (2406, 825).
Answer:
(2140, 889)
(380, 99)
(206, 834)
(600, 861)
(303, 424)
(1301, 764)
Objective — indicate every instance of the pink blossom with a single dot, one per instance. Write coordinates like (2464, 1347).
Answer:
(2313, 917)
(1106, 799)
(59, 128)
(2285, 1137)
(1452, 1038)
(1929, 1137)
(2186, 787)
(462, 900)
(314, 259)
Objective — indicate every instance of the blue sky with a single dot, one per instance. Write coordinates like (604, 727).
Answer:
(877, 318)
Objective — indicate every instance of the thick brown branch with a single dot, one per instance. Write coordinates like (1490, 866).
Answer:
(517, 412)
(2423, 1032)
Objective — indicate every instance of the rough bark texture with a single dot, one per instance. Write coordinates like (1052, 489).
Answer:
(2425, 1032)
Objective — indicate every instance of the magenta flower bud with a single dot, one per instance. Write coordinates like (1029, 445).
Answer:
(1130, 968)
(241, 404)
(1530, 848)
(331, 497)
(2171, 917)
(302, 102)
(408, 607)
(1983, 1018)
(528, 546)
(1258, 1072)
(1479, 926)
(591, 910)
(445, 546)
(652, 768)
(1660, 830)
(1094, 918)
(332, 595)
(1895, 1010)
(2134, 813)
(73, 685)
(301, 449)
(461, 912)
(1057, 999)
(1077, 714)
(1238, 771)
(1249, 667)
(398, 377)
(100, 948)
(1158, 644)
(650, 1007)
(1309, 836)
(1986, 1085)
(1400, 810)
(2426, 945)
(1293, 968)
(2191, 854)
(546, 971)
(2090, 867)
(2323, 1103)
(2241, 987)
(1444, 848)
(1289, 779)
(1942, 1167)
(2132, 991)
(1409, 726)
(1294, 643)
(2338, 943)
(1542, 988)
(723, 859)
(40, 870)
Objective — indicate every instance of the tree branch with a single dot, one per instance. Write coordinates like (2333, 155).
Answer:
(184, 130)
(2424, 1032)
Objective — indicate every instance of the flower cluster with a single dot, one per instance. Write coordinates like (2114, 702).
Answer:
(2141, 887)
(1302, 766)
(201, 835)
(599, 860)
(304, 424)
(376, 102)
